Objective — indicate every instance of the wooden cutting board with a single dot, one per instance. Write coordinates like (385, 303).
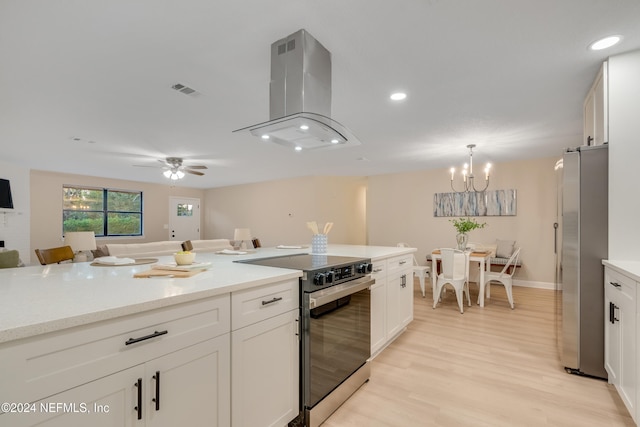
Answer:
(166, 273)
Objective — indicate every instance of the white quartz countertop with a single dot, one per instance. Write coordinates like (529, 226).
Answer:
(628, 268)
(40, 299)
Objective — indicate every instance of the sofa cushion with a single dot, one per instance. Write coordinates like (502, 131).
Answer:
(211, 245)
(142, 250)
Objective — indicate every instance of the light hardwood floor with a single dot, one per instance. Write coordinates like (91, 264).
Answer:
(490, 366)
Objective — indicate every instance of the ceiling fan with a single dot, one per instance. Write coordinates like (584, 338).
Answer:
(175, 169)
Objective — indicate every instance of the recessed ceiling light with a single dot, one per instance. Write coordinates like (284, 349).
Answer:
(605, 42)
(334, 141)
(298, 148)
(265, 136)
(304, 127)
(398, 96)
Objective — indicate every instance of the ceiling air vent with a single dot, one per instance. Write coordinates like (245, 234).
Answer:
(185, 89)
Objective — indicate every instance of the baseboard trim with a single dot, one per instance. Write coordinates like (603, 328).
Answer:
(532, 284)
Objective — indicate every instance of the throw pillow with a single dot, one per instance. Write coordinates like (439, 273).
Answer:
(100, 251)
(504, 248)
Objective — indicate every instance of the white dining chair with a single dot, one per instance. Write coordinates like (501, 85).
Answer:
(505, 277)
(455, 272)
(421, 271)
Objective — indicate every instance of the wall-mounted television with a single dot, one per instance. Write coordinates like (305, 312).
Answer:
(6, 202)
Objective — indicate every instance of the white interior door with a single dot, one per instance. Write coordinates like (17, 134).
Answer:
(184, 219)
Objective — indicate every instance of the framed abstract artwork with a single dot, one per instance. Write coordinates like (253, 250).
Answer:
(487, 203)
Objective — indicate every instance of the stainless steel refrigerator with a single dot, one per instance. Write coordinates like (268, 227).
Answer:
(584, 232)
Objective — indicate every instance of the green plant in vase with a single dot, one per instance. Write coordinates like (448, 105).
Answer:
(464, 226)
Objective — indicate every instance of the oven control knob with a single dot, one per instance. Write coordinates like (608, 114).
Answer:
(319, 279)
(329, 277)
(365, 268)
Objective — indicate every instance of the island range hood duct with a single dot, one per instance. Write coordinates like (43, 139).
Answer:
(300, 97)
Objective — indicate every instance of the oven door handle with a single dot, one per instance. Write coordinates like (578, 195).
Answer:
(324, 296)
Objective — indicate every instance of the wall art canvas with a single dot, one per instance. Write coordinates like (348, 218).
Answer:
(487, 203)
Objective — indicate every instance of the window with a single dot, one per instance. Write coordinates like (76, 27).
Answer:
(103, 211)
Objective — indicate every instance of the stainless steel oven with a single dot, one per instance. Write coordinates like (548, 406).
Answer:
(335, 345)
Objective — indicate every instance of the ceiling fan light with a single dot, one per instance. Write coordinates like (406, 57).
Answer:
(180, 174)
(167, 173)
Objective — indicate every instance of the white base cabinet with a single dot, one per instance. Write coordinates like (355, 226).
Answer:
(173, 388)
(621, 328)
(157, 368)
(265, 352)
(391, 299)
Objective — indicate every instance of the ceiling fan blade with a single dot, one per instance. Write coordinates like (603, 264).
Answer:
(149, 166)
(197, 167)
(193, 172)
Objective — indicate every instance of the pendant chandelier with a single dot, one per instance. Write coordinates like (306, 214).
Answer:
(468, 179)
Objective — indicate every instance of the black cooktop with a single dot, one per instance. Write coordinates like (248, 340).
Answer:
(304, 262)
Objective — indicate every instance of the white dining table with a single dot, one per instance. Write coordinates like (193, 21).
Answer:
(483, 258)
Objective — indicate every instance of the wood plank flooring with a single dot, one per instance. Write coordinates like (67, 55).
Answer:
(490, 366)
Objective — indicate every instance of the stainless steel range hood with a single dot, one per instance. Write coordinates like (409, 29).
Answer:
(300, 97)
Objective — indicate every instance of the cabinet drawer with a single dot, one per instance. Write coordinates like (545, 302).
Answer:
(257, 304)
(619, 282)
(46, 364)
(399, 263)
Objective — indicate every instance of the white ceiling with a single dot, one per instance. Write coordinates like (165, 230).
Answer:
(507, 75)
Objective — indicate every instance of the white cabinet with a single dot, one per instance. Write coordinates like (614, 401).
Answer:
(391, 300)
(620, 336)
(162, 392)
(596, 122)
(191, 384)
(265, 355)
(379, 306)
(157, 368)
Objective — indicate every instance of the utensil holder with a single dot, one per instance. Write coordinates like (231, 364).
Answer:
(319, 244)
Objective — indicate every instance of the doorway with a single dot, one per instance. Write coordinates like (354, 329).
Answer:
(184, 219)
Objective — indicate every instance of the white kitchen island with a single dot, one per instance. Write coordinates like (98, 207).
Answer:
(83, 344)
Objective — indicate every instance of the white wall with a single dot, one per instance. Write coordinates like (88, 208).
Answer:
(624, 156)
(14, 226)
(277, 211)
(400, 209)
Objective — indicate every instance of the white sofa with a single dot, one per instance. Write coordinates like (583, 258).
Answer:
(167, 247)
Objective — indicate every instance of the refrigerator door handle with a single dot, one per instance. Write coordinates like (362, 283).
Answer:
(555, 237)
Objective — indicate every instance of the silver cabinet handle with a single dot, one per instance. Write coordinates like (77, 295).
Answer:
(271, 301)
(403, 262)
(377, 270)
(615, 284)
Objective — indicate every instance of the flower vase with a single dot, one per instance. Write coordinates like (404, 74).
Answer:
(462, 240)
